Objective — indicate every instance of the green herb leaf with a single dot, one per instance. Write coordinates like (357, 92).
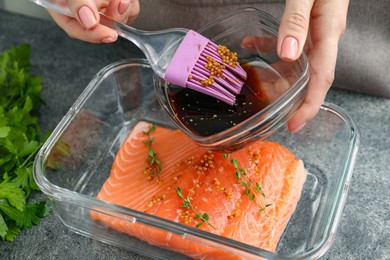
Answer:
(32, 213)
(15, 195)
(234, 161)
(199, 224)
(204, 217)
(12, 232)
(9, 211)
(3, 227)
(246, 182)
(154, 163)
(4, 130)
(179, 192)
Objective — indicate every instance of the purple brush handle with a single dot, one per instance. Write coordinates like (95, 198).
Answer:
(185, 57)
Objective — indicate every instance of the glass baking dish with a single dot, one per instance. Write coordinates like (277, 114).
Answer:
(74, 162)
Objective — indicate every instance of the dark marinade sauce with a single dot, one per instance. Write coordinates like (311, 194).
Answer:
(205, 115)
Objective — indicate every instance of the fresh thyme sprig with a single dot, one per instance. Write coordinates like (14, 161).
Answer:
(154, 163)
(203, 217)
(247, 183)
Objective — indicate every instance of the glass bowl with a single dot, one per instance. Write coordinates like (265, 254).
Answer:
(76, 160)
(279, 87)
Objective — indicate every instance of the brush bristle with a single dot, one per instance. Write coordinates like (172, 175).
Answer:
(208, 68)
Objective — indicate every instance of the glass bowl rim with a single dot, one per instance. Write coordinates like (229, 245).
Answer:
(269, 112)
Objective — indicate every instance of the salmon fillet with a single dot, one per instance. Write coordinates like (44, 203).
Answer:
(236, 209)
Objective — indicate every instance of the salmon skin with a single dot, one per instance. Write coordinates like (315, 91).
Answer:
(248, 196)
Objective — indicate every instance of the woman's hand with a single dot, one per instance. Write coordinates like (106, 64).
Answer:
(86, 26)
(317, 26)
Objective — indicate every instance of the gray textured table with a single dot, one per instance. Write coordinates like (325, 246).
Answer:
(68, 65)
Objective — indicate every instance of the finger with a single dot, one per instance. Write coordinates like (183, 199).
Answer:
(327, 28)
(125, 11)
(134, 11)
(118, 10)
(322, 65)
(329, 19)
(293, 29)
(85, 11)
(98, 34)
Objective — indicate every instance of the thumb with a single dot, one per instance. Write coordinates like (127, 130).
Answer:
(293, 29)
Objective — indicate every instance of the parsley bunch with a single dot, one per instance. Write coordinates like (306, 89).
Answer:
(20, 139)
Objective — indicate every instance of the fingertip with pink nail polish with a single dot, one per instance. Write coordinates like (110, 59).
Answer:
(289, 49)
(107, 40)
(298, 128)
(248, 45)
(87, 17)
(123, 6)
